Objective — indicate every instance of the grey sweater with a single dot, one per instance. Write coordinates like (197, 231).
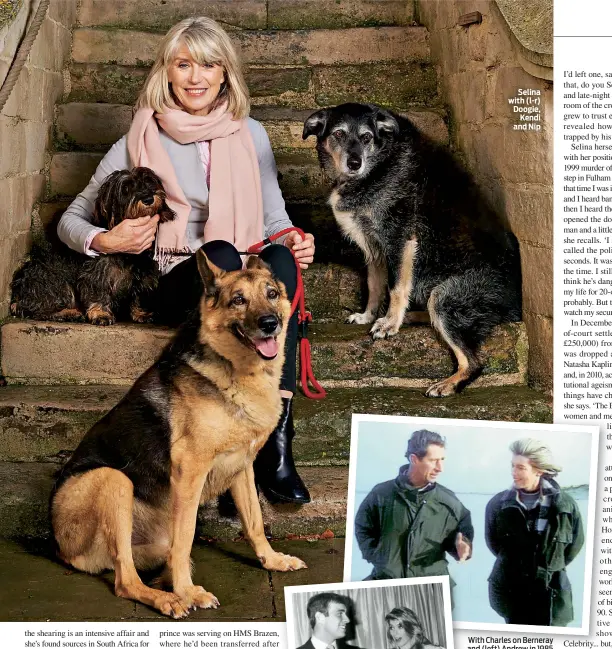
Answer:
(75, 227)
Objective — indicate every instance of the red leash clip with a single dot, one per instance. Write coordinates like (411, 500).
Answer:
(304, 318)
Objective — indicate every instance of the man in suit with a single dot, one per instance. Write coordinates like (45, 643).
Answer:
(328, 617)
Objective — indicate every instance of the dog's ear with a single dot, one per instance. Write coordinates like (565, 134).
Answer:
(102, 212)
(109, 201)
(316, 123)
(166, 214)
(254, 262)
(208, 272)
(99, 218)
(385, 123)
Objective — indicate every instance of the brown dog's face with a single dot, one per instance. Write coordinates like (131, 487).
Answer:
(129, 195)
(247, 310)
(351, 138)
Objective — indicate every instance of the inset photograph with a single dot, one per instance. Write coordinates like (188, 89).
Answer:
(506, 510)
(394, 614)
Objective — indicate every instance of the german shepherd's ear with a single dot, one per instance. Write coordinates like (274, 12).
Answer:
(254, 262)
(208, 272)
(316, 123)
(385, 123)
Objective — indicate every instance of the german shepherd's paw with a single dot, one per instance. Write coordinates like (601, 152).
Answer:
(167, 603)
(385, 328)
(171, 605)
(360, 318)
(282, 562)
(197, 597)
(444, 388)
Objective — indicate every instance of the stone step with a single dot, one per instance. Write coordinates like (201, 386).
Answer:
(300, 176)
(120, 84)
(93, 126)
(25, 485)
(25, 490)
(41, 423)
(313, 14)
(342, 355)
(38, 588)
(396, 84)
(247, 14)
(350, 46)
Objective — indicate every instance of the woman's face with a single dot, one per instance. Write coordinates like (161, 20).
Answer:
(195, 86)
(399, 635)
(524, 474)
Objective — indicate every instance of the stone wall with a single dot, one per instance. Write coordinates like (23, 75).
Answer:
(481, 66)
(26, 123)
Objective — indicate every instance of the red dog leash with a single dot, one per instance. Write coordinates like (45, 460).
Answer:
(304, 317)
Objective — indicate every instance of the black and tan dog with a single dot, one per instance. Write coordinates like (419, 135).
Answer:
(426, 231)
(64, 285)
(188, 430)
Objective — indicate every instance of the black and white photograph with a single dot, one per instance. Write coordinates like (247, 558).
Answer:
(506, 510)
(394, 614)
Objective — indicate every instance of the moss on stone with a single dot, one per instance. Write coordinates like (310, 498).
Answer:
(309, 14)
(9, 10)
(64, 142)
(509, 403)
(113, 84)
(395, 85)
(27, 436)
(326, 20)
(273, 82)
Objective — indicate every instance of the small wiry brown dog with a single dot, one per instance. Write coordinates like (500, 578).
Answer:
(64, 285)
(189, 429)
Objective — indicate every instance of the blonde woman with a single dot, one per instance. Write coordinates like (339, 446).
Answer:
(405, 631)
(534, 530)
(191, 126)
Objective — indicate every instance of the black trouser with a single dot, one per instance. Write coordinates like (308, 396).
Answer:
(181, 289)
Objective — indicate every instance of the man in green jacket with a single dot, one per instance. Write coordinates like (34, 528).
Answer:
(405, 527)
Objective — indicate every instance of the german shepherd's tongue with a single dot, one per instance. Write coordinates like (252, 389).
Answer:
(267, 347)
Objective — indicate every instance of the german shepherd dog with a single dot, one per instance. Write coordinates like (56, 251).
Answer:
(188, 430)
(64, 285)
(426, 231)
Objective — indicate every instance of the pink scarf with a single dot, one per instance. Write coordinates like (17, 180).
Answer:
(235, 208)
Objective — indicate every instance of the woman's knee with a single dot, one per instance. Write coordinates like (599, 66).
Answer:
(222, 254)
(283, 266)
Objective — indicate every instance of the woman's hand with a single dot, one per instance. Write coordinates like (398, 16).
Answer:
(303, 249)
(131, 235)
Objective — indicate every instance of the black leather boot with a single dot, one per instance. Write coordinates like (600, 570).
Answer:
(275, 471)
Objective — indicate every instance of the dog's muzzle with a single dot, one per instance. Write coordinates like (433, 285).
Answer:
(353, 163)
(267, 346)
(265, 342)
(149, 200)
(268, 324)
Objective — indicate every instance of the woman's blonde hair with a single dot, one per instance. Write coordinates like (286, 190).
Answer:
(538, 454)
(207, 42)
(410, 623)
